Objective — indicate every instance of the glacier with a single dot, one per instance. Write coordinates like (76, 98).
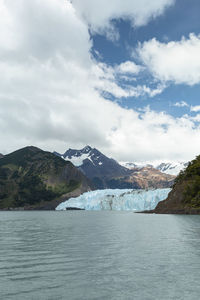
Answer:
(117, 199)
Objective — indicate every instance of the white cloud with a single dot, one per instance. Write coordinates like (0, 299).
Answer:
(195, 108)
(99, 14)
(105, 80)
(196, 118)
(181, 104)
(174, 61)
(152, 135)
(48, 96)
(129, 67)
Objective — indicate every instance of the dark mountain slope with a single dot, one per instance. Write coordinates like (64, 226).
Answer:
(36, 179)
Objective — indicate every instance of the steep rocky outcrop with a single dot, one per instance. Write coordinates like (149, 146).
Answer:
(34, 179)
(185, 195)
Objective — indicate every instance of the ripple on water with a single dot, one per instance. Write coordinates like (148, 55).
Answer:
(98, 255)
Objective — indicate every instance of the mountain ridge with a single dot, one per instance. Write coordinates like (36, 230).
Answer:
(106, 172)
(170, 168)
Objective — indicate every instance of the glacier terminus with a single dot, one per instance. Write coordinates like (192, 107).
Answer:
(117, 199)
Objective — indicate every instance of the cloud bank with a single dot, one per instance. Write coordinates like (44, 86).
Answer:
(49, 90)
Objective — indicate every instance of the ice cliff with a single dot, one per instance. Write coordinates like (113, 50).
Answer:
(135, 200)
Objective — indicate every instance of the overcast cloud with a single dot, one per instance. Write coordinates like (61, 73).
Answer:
(49, 83)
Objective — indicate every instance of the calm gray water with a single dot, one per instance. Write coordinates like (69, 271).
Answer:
(99, 255)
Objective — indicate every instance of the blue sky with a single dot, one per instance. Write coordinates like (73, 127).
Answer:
(179, 20)
(121, 76)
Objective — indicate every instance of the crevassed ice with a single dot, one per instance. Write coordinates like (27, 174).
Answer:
(135, 200)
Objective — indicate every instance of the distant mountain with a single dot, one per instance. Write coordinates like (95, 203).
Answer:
(150, 178)
(106, 172)
(185, 195)
(170, 168)
(129, 165)
(1, 155)
(34, 179)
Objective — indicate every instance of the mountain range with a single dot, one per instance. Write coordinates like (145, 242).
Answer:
(171, 168)
(106, 172)
(31, 178)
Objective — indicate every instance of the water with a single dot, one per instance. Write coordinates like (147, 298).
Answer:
(98, 255)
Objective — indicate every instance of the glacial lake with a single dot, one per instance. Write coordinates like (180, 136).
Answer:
(90, 255)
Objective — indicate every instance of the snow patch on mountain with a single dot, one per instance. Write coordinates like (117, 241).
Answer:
(133, 200)
(128, 165)
(78, 157)
(171, 168)
(78, 160)
(131, 165)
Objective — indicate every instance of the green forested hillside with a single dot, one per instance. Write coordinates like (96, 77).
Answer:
(185, 195)
(30, 177)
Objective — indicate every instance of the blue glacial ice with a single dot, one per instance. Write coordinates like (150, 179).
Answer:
(134, 200)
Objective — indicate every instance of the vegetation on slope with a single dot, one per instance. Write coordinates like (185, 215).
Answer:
(30, 176)
(185, 194)
(191, 180)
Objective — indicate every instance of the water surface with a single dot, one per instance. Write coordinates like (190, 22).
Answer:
(99, 255)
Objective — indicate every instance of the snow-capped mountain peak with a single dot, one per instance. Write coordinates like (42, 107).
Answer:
(171, 168)
(129, 165)
(86, 149)
(77, 157)
(95, 165)
(80, 157)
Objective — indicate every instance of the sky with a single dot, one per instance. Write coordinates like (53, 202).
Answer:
(121, 76)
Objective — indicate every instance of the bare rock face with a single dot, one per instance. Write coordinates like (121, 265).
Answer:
(185, 195)
(149, 177)
(34, 179)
